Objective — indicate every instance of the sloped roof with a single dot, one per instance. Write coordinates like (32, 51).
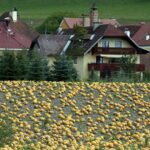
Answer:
(71, 22)
(15, 35)
(3, 16)
(98, 34)
(8, 41)
(140, 36)
(138, 33)
(52, 45)
(132, 28)
(111, 31)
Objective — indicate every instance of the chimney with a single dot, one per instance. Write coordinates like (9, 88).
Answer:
(85, 20)
(14, 15)
(94, 16)
(127, 32)
(147, 37)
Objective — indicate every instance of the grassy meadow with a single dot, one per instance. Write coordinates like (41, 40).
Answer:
(124, 10)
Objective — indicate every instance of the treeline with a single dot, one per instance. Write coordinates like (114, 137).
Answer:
(32, 65)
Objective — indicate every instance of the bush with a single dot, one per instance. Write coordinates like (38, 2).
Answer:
(146, 76)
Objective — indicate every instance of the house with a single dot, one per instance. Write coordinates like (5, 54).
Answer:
(100, 49)
(141, 35)
(86, 20)
(14, 33)
(52, 45)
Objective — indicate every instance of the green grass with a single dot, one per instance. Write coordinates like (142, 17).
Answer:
(124, 10)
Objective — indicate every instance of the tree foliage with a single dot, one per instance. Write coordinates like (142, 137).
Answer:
(128, 64)
(80, 32)
(63, 69)
(37, 67)
(8, 66)
(52, 23)
(23, 65)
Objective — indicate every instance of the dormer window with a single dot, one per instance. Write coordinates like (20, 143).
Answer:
(105, 43)
(127, 32)
(147, 37)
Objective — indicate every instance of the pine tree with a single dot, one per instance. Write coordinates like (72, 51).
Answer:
(38, 66)
(63, 69)
(22, 65)
(8, 66)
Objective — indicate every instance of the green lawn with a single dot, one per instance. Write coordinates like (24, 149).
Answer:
(124, 10)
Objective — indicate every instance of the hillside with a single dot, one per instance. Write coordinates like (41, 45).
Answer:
(76, 116)
(124, 10)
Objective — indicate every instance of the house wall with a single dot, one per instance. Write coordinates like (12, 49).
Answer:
(125, 44)
(64, 25)
(88, 58)
(51, 59)
(83, 61)
(146, 47)
(79, 66)
(145, 59)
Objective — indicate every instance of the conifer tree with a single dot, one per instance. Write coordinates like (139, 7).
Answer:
(8, 66)
(22, 65)
(38, 66)
(63, 69)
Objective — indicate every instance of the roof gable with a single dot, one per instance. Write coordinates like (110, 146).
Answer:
(112, 31)
(71, 22)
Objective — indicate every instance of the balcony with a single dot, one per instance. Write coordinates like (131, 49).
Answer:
(112, 67)
(111, 50)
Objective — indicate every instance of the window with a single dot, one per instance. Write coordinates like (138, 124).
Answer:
(105, 43)
(99, 59)
(118, 43)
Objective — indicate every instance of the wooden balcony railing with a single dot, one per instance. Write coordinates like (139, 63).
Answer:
(111, 50)
(112, 67)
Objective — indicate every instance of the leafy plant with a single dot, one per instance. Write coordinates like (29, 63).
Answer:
(6, 132)
(80, 32)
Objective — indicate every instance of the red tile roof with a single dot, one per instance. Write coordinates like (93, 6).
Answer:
(16, 36)
(71, 22)
(138, 33)
(132, 28)
(140, 36)
(112, 31)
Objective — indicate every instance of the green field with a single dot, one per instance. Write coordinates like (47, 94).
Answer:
(124, 10)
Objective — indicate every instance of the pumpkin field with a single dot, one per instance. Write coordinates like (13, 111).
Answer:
(74, 116)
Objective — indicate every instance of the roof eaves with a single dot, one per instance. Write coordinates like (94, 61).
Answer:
(92, 45)
(139, 48)
(67, 44)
